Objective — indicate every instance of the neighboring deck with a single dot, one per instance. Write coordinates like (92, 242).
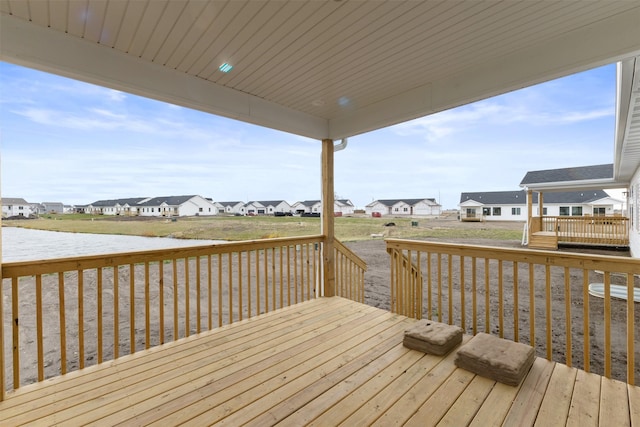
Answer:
(324, 362)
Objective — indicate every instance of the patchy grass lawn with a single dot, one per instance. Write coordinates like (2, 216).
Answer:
(263, 227)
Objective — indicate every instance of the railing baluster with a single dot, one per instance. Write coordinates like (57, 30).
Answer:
(39, 332)
(516, 304)
(230, 285)
(116, 312)
(176, 330)
(266, 280)
(198, 286)
(548, 308)
(210, 291)
(81, 318)
(63, 327)
(147, 307)
(567, 316)
(450, 286)
(607, 324)
(439, 260)
(219, 290)
(500, 300)
(474, 293)
(429, 287)
(249, 284)
(257, 282)
(273, 279)
(132, 307)
(240, 284)
(532, 307)
(463, 318)
(14, 333)
(630, 331)
(280, 254)
(586, 331)
(99, 313)
(187, 298)
(161, 300)
(487, 301)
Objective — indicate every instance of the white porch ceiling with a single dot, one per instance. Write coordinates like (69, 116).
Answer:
(321, 69)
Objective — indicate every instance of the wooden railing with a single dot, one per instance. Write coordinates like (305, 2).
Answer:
(350, 271)
(64, 314)
(537, 297)
(592, 230)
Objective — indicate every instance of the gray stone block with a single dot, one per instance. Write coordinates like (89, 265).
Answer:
(432, 337)
(496, 358)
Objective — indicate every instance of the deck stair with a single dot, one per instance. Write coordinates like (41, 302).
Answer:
(544, 240)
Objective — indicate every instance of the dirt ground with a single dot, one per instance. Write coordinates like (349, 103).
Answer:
(377, 293)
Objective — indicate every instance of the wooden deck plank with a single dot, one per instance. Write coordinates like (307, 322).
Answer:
(524, 409)
(226, 334)
(496, 405)
(557, 400)
(432, 411)
(634, 405)
(614, 403)
(367, 381)
(401, 407)
(585, 402)
(256, 394)
(325, 362)
(148, 398)
(143, 368)
(467, 405)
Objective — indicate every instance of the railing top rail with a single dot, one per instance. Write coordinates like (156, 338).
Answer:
(352, 256)
(28, 268)
(564, 259)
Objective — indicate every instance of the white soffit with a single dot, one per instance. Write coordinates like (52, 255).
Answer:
(318, 68)
(627, 140)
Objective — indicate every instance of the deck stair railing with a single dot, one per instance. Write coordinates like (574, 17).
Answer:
(60, 315)
(544, 295)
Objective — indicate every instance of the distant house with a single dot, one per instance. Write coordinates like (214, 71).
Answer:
(53, 207)
(171, 206)
(340, 207)
(307, 206)
(125, 207)
(13, 206)
(408, 207)
(512, 205)
(229, 207)
(266, 207)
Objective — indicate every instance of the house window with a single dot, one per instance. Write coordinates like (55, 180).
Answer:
(396, 209)
(515, 211)
(576, 211)
(544, 211)
(564, 210)
(599, 211)
(199, 209)
(497, 211)
(405, 209)
(486, 211)
(471, 213)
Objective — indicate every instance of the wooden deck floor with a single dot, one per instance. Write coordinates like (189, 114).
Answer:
(324, 362)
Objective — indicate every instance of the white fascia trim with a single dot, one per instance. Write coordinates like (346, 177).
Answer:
(30, 45)
(587, 184)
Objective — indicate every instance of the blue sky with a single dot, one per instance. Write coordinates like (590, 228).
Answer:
(63, 140)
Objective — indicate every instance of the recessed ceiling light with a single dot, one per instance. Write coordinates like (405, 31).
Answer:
(225, 67)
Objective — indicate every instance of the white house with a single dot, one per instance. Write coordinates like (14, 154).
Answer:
(344, 207)
(125, 207)
(14, 206)
(406, 207)
(171, 206)
(340, 207)
(230, 208)
(512, 205)
(267, 207)
(53, 207)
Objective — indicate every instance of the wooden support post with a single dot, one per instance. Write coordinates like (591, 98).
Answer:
(328, 231)
(541, 209)
(529, 215)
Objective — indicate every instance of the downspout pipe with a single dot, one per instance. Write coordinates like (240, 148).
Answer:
(341, 146)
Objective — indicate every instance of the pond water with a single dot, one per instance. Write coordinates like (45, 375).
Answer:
(22, 244)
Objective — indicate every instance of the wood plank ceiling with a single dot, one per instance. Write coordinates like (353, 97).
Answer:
(322, 69)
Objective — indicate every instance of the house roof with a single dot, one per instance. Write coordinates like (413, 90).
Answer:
(169, 200)
(520, 197)
(225, 204)
(266, 203)
(322, 69)
(581, 173)
(112, 202)
(13, 201)
(410, 202)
